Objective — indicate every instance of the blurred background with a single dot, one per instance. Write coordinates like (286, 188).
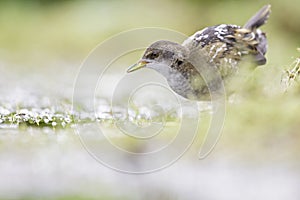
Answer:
(44, 42)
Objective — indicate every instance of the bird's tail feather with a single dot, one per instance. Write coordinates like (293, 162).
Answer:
(259, 18)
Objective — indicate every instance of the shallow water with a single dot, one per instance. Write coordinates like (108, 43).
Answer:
(50, 163)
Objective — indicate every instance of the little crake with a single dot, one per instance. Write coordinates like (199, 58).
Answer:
(223, 46)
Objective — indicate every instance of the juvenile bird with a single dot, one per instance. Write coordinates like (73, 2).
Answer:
(223, 46)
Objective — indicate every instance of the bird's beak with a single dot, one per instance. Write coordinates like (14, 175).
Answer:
(137, 66)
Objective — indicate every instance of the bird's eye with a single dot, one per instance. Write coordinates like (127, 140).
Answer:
(152, 55)
(179, 62)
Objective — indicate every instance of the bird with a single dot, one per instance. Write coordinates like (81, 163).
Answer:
(222, 46)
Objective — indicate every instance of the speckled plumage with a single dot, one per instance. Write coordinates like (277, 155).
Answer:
(226, 45)
(223, 46)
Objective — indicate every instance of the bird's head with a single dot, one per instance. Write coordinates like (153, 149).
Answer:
(161, 56)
